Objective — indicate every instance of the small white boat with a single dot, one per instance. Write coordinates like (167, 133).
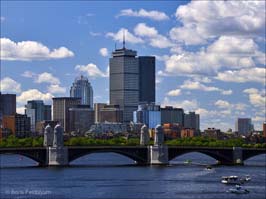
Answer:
(238, 190)
(231, 180)
(246, 178)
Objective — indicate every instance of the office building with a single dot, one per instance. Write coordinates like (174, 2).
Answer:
(111, 113)
(81, 117)
(82, 89)
(213, 133)
(188, 132)
(172, 115)
(148, 114)
(61, 107)
(243, 126)
(146, 79)
(192, 121)
(37, 111)
(264, 130)
(132, 79)
(97, 108)
(18, 124)
(7, 104)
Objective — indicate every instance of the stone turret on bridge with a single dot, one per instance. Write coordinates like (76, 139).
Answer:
(57, 153)
(158, 153)
(144, 136)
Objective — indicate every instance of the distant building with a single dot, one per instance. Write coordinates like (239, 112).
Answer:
(97, 109)
(264, 130)
(146, 79)
(213, 133)
(186, 132)
(148, 114)
(172, 130)
(61, 107)
(18, 124)
(108, 127)
(172, 115)
(7, 104)
(244, 126)
(40, 126)
(81, 117)
(191, 120)
(132, 80)
(111, 113)
(37, 111)
(82, 89)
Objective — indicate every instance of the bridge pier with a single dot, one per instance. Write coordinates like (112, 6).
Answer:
(158, 155)
(237, 156)
(57, 156)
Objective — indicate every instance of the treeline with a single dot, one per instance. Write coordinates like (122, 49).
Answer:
(12, 141)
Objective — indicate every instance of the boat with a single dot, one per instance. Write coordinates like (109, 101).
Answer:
(246, 178)
(188, 162)
(208, 167)
(238, 190)
(231, 180)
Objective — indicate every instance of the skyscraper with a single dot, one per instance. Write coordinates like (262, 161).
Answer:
(8, 104)
(124, 81)
(243, 126)
(37, 111)
(132, 80)
(172, 115)
(82, 89)
(146, 79)
(192, 120)
(61, 107)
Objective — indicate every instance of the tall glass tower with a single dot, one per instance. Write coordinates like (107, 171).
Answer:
(82, 88)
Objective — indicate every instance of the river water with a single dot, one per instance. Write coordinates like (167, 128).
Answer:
(112, 176)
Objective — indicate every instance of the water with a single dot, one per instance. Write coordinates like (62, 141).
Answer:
(113, 176)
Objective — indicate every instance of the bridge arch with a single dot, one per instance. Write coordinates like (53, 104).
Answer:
(223, 158)
(133, 156)
(247, 154)
(25, 154)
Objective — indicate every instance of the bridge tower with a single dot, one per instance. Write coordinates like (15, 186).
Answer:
(144, 136)
(158, 153)
(58, 154)
(48, 136)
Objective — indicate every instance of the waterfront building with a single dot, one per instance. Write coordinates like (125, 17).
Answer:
(132, 79)
(108, 127)
(192, 120)
(18, 124)
(244, 126)
(172, 115)
(97, 109)
(148, 114)
(172, 130)
(81, 88)
(81, 117)
(37, 111)
(264, 130)
(213, 133)
(7, 104)
(61, 107)
(187, 132)
(111, 113)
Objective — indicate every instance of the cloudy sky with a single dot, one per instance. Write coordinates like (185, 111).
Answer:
(210, 56)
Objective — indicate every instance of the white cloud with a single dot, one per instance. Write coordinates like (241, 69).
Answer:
(243, 75)
(151, 34)
(91, 69)
(20, 110)
(187, 105)
(30, 50)
(153, 14)
(2, 19)
(209, 19)
(9, 85)
(130, 38)
(56, 89)
(34, 94)
(175, 92)
(47, 78)
(256, 98)
(28, 74)
(222, 104)
(194, 85)
(95, 34)
(103, 52)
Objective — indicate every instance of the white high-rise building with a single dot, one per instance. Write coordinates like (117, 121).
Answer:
(82, 89)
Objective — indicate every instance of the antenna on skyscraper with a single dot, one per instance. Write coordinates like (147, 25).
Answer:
(124, 43)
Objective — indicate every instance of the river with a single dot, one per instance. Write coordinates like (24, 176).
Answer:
(112, 176)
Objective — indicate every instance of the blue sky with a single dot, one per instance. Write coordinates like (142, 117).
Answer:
(210, 56)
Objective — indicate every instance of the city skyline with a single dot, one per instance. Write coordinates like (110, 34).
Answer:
(219, 88)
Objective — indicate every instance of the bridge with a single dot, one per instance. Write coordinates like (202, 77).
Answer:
(142, 155)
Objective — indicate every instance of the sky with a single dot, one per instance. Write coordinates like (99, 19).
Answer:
(210, 55)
